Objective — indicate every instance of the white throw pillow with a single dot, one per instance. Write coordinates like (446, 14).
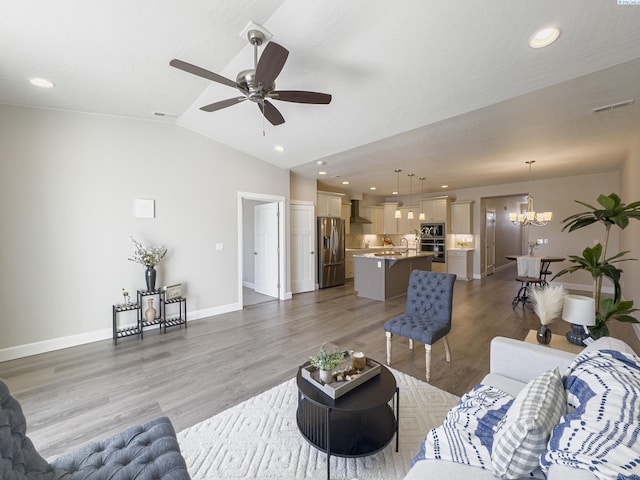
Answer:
(523, 433)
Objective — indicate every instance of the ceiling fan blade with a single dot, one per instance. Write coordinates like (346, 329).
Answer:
(300, 96)
(271, 113)
(212, 107)
(201, 72)
(270, 64)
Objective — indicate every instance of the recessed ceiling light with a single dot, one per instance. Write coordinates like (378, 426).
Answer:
(41, 82)
(322, 173)
(372, 188)
(444, 186)
(279, 148)
(544, 37)
(394, 193)
(320, 162)
(345, 182)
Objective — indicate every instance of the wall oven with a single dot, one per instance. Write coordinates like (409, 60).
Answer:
(434, 240)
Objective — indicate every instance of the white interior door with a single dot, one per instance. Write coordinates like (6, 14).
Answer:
(490, 253)
(266, 273)
(303, 263)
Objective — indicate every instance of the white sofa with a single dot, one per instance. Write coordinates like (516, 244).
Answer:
(513, 364)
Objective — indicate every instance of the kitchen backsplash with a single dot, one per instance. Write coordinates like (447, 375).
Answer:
(360, 240)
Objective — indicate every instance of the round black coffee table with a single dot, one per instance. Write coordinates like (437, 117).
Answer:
(357, 424)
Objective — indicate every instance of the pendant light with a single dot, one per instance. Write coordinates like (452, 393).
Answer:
(398, 212)
(530, 217)
(422, 216)
(410, 214)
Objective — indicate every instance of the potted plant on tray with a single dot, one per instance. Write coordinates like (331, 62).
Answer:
(326, 361)
(594, 259)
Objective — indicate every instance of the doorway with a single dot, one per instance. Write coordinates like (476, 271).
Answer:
(261, 220)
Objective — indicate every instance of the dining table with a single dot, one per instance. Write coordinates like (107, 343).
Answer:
(545, 261)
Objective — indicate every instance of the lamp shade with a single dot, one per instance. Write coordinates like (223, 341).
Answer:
(579, 310)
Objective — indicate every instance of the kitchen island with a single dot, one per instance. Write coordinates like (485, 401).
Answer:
(383, 275)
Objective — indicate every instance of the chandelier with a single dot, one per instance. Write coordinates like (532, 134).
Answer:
(530, 217)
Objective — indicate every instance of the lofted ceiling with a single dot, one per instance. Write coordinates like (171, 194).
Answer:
(447, 90)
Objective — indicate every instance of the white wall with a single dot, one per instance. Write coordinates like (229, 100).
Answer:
(67, 187)
(303, 189)
(630, 236)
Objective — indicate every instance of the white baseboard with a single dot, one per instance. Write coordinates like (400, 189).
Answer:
(250, 285)
(44, 346)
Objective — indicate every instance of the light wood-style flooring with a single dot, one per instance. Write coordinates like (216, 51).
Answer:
(88, 392)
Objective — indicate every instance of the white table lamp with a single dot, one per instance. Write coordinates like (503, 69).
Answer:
(580, 312)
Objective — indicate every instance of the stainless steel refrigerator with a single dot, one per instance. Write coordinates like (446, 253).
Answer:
(331, 265)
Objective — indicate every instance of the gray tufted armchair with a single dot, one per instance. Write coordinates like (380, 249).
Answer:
(427, 315)
(144, 452)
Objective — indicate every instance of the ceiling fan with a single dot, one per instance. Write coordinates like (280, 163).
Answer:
(257, 84)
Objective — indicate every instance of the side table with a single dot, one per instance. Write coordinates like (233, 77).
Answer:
(559, 342)
(357, 424)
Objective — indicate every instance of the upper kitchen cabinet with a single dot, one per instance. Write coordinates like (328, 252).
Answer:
(329, 204)
(406, 226)
(376, 215)
(436, 209)
(390, 222)
(462, 217)
(346, 216)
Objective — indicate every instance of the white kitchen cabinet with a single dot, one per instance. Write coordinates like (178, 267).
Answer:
(349, 265)
(436, 209)
(460, 262)
(406, 226)
(376, 215)
(329, 204)
(346, 216)
(390, 221)
(462, 217)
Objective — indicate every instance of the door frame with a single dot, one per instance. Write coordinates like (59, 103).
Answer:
(282, 255)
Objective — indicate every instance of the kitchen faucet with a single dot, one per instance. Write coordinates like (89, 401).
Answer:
(407, 249)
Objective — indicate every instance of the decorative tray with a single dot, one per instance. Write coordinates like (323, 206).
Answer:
(336, 389)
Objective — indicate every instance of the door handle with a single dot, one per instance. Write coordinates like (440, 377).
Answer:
(311, 253)
(255, 253)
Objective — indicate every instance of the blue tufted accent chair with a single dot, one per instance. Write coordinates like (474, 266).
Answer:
(145, 452)
(427, 315)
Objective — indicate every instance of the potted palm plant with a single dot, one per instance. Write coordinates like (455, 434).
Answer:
(326, 361)
(594, 259)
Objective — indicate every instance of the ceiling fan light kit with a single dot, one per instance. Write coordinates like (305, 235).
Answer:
(257, 84)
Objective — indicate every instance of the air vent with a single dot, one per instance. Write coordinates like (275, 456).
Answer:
(164, 114)
(613, 106)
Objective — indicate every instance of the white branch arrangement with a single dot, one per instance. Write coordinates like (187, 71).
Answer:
(548, 302)
(147, 256)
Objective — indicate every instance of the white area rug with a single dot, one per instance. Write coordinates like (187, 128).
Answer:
(260, 439)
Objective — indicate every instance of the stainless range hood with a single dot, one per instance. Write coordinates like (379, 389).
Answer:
(355, 213)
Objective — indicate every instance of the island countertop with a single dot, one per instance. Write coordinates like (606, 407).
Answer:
(393, 255)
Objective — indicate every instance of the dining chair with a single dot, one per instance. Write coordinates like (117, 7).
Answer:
(427, 314)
